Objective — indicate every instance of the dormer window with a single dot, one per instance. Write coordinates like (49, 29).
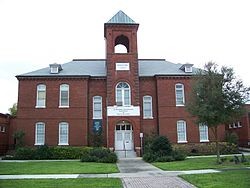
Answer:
(188, 68)
(55, 68)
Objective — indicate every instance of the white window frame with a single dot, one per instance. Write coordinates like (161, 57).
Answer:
(147, 99)
(239, 124)
(60, 141)
(97, 100)
(40, 138)
(203, 131)
(40, 103)
(184, 131)
(62, 88)
(179, 103)
(122, 90)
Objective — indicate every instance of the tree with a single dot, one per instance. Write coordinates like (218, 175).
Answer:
(13, 110)
(19, 138)
(217, 97)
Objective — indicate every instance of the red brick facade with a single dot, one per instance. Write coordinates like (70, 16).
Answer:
(4, 132)
(242, 128)
(82, 89)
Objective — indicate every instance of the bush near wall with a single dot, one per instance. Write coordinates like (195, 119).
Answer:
(45, 152)
(207, 148)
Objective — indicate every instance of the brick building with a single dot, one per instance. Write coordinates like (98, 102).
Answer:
(120, 96)
(4, 132)
(241, 128)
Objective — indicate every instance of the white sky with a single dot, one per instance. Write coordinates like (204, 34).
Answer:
(36, 33)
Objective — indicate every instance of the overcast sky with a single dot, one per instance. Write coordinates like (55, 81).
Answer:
(36, 33)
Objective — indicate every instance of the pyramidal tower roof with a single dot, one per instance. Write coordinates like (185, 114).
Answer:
(121, 18)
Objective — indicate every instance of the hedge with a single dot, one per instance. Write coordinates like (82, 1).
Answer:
(206, 148)
(45, 152)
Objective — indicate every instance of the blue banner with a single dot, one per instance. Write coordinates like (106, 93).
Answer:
(97, 125)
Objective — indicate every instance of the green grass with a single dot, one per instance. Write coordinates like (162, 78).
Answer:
(58, 167)
(199, 163)
(227, 179)
(62, 183)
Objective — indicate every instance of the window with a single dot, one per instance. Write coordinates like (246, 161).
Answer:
(147, 107)
(41, 96)
(181, 132)
(203, 129)
(97, 107)
(239, 124)
(179, 94)
(123, 94)
(63, 133)
(64, 95)
(40, 133)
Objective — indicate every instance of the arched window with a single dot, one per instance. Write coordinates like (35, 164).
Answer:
(121, 44)
(40, 133)
(64, 96)
(63, 133)
(147, 107)
(179, 95)
(123, 94)
(181, 131)
(97, 107)
(203, 129)
(41, 96)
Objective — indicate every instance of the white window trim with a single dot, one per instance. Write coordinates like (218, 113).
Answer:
(151, 107)
(207, 140)
(185, 128)
(183, 94)
(59, 135)
(36, 143)
(60, 105)
(95, 101)
(123, 94)
(37, 91)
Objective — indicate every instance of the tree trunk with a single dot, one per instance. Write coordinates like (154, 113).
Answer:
(217, 145)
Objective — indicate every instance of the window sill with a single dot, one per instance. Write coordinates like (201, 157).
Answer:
(204, 140)
(148, 117)
(97, 117)
(37, 144)
(40, 106)
(180, 105)
(63, 144)
(63, 107)
(181, 142)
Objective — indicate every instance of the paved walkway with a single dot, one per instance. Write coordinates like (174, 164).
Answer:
(139, 174)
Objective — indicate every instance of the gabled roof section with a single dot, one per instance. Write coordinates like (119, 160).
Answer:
(121, 18)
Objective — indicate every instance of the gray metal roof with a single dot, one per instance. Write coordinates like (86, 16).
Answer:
(97, 68)
(121, 18)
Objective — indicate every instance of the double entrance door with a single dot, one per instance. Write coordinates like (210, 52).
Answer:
(124, 137)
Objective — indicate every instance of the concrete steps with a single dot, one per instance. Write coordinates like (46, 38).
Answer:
(125, 154)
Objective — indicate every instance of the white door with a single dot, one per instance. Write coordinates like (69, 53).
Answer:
(124, 137)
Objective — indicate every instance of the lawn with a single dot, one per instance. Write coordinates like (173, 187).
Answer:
(62, 183)
(58, 167)
(199, 163)
(227, 179)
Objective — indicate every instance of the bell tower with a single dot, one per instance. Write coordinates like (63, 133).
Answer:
(122, 66)
(123, 102)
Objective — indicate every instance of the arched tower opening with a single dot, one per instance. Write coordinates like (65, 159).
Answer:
(121, 44)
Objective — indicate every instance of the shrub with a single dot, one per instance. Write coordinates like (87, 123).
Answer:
(232, 138)
(149, 157)
(102, 155)
(42, 152)
(179, 155)
(24, 153)
(161, 146)
(166, 158)
(206, 148)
